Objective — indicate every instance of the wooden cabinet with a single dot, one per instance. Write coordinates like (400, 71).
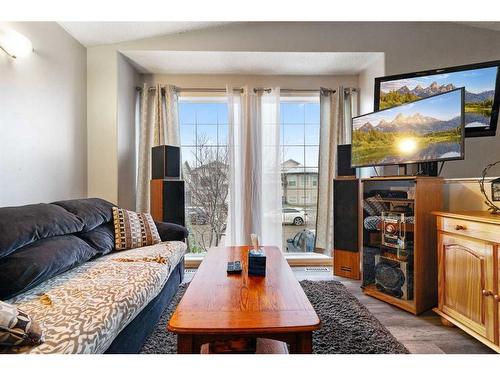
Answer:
(468, 281)
(413, 270)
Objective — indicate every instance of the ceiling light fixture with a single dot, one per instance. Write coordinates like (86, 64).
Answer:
(15, 44)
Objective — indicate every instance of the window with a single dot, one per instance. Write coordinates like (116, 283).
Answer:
(203, 138)
(300, 125)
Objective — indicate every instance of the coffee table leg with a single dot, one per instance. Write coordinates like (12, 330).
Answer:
(302, 344)
(187, 344)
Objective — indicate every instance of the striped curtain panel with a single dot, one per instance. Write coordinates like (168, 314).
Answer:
(330, 130)
(159, 125)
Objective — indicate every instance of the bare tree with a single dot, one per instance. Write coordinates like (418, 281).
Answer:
(207, 185)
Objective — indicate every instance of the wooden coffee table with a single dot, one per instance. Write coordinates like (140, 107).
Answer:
(222, 308)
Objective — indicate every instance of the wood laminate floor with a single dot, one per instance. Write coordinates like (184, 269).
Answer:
(423, 334)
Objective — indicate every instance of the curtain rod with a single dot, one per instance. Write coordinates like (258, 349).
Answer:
(240, 89)
(193, 89)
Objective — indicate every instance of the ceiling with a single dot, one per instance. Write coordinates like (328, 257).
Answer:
(484, 25)
(98, 33)
(262, 63)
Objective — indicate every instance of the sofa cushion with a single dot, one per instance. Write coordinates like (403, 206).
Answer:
(102, 238)
(40, 261)
(134, 229)
(17, 328)
(171, 231)
(23, 225)
(91, 211)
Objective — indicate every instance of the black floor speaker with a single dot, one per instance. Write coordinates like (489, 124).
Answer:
(165, 162)
(167, 201)
(346, 236)
(344, 161)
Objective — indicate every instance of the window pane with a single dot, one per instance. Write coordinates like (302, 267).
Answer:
(312, 113)
(206, 135)
(294, 154)
(312, 154)
(311, 134)
(187, 113)
(188, 155)
(188, 135)
(293, 135)
(292, 113)
(222, 113)
(207, 113)
(223, 134)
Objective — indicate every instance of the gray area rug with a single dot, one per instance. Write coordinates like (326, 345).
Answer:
(347, 326)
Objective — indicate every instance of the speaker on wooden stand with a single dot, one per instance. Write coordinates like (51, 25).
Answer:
(167, 189)
(346, 237)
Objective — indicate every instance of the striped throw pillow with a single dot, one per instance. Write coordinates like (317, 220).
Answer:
(134, 229)
(17, 328)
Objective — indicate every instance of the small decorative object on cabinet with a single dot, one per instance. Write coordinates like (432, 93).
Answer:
(398, 240)
(495, 190)
(468, 282)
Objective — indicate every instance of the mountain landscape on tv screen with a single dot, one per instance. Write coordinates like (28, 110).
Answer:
(478, 104)
(414, 123)
(429, 129)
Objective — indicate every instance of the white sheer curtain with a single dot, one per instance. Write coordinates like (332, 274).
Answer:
(159, 125)
(254, 181)
(239, 205)
(271, 169)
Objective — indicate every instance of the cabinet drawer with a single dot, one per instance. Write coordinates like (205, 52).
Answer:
(482, 231)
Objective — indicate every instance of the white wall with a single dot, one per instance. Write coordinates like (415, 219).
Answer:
(102, 114)
(43, 146)
(366, 82)
(218, 81)
(465, 194)
(407, 47)
(128, 79)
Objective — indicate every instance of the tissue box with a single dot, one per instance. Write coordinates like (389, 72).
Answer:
(256, 263)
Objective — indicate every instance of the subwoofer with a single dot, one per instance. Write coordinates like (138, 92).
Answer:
(346, 257)
(394, 277)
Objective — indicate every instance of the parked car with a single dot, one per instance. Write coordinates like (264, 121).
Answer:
(293, 215)
(303, 241)
(197, 215)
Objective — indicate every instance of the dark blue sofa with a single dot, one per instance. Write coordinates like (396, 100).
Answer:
(41, 241)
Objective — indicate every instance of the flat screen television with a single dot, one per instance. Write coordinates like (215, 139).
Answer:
(482, 92)
(426, 130)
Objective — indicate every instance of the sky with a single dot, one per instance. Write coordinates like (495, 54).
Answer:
(475, 81)
(443, 107)
(299, 129)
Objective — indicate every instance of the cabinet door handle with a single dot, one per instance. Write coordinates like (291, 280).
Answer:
(460, 227)
(487, 293)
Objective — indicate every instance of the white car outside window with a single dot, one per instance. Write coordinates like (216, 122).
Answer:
(293, 215)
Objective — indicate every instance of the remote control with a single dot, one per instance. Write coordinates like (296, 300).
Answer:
(234, 267)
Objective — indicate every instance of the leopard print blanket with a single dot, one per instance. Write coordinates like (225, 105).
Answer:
(83, 310)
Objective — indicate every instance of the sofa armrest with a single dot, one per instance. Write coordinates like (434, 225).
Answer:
(171, 232)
